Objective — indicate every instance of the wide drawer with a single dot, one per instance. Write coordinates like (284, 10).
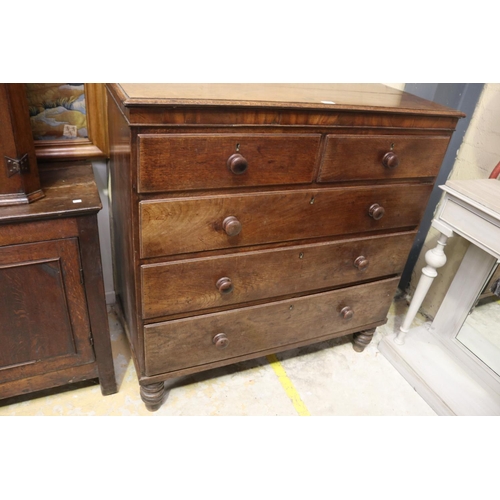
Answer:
(187, 162)
(182, 225)
(354, 157)
(191, 342)
(197, 284)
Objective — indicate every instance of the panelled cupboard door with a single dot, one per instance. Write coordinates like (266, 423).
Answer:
(44, 323)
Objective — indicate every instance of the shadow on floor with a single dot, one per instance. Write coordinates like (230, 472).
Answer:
(251, 364)
(48, 392)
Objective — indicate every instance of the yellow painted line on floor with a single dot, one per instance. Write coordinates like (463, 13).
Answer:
(287, 384)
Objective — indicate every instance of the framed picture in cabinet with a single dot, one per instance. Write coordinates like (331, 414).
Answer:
(68, 120)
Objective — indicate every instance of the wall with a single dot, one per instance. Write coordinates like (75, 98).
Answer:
(398, 86)
(476, 158)
(101, 177)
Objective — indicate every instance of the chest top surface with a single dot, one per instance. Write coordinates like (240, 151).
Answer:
(318, 104)
(361, 96)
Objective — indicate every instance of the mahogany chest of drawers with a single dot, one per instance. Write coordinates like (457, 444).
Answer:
(251, 219)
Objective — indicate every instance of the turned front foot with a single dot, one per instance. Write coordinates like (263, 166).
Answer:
(362, 339)
(434, 259)
(152, 395)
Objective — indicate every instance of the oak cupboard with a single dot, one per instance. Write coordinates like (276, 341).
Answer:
(54, 327)
(19, 178)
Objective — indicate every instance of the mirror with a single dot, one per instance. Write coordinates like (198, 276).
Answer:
(480, 333)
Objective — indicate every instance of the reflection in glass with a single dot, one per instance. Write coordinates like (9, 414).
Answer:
(481, 331)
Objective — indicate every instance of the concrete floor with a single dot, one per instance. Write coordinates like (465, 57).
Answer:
(327, 379)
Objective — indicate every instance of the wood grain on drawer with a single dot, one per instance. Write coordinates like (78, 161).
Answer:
(197, 284)
(187, 162)
(182, 225)
(354, 157)
(189, 342)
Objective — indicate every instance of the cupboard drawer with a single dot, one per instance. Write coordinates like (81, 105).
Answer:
(189, 162)
(197, 284)
(190, 342)
(354, 157)
(182, 225)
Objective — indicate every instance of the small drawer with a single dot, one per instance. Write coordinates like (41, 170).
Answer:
(198, 341)
(483, 230)
(197, 284)
(184, 225)
(188, 162)
(356, 158)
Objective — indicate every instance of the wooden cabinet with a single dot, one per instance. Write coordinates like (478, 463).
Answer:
(53, 328)
(250, 219)
(19, 179)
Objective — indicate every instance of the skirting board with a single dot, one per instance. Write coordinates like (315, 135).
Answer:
(446, 386)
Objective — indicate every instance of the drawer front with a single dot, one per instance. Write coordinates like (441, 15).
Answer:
(197, 284)
(184, 343)
(182, 225)
(354, 157)
(187, 162)
(483, 231)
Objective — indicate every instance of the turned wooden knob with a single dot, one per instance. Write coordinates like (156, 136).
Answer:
(361, 263)
(224, 285)
(376, 211)
(390, 160)
(231, 225)
(220, 341)
(346, 313)
(237, 164)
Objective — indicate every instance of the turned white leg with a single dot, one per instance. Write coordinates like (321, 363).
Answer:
(434, 259)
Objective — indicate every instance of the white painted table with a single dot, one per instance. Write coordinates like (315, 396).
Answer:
(444, 372)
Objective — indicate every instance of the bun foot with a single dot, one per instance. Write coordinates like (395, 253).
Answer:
(152, 395)
(362, 339)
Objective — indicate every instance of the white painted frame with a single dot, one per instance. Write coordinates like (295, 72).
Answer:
(474, 272)
(472, 211)
(463, 383)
